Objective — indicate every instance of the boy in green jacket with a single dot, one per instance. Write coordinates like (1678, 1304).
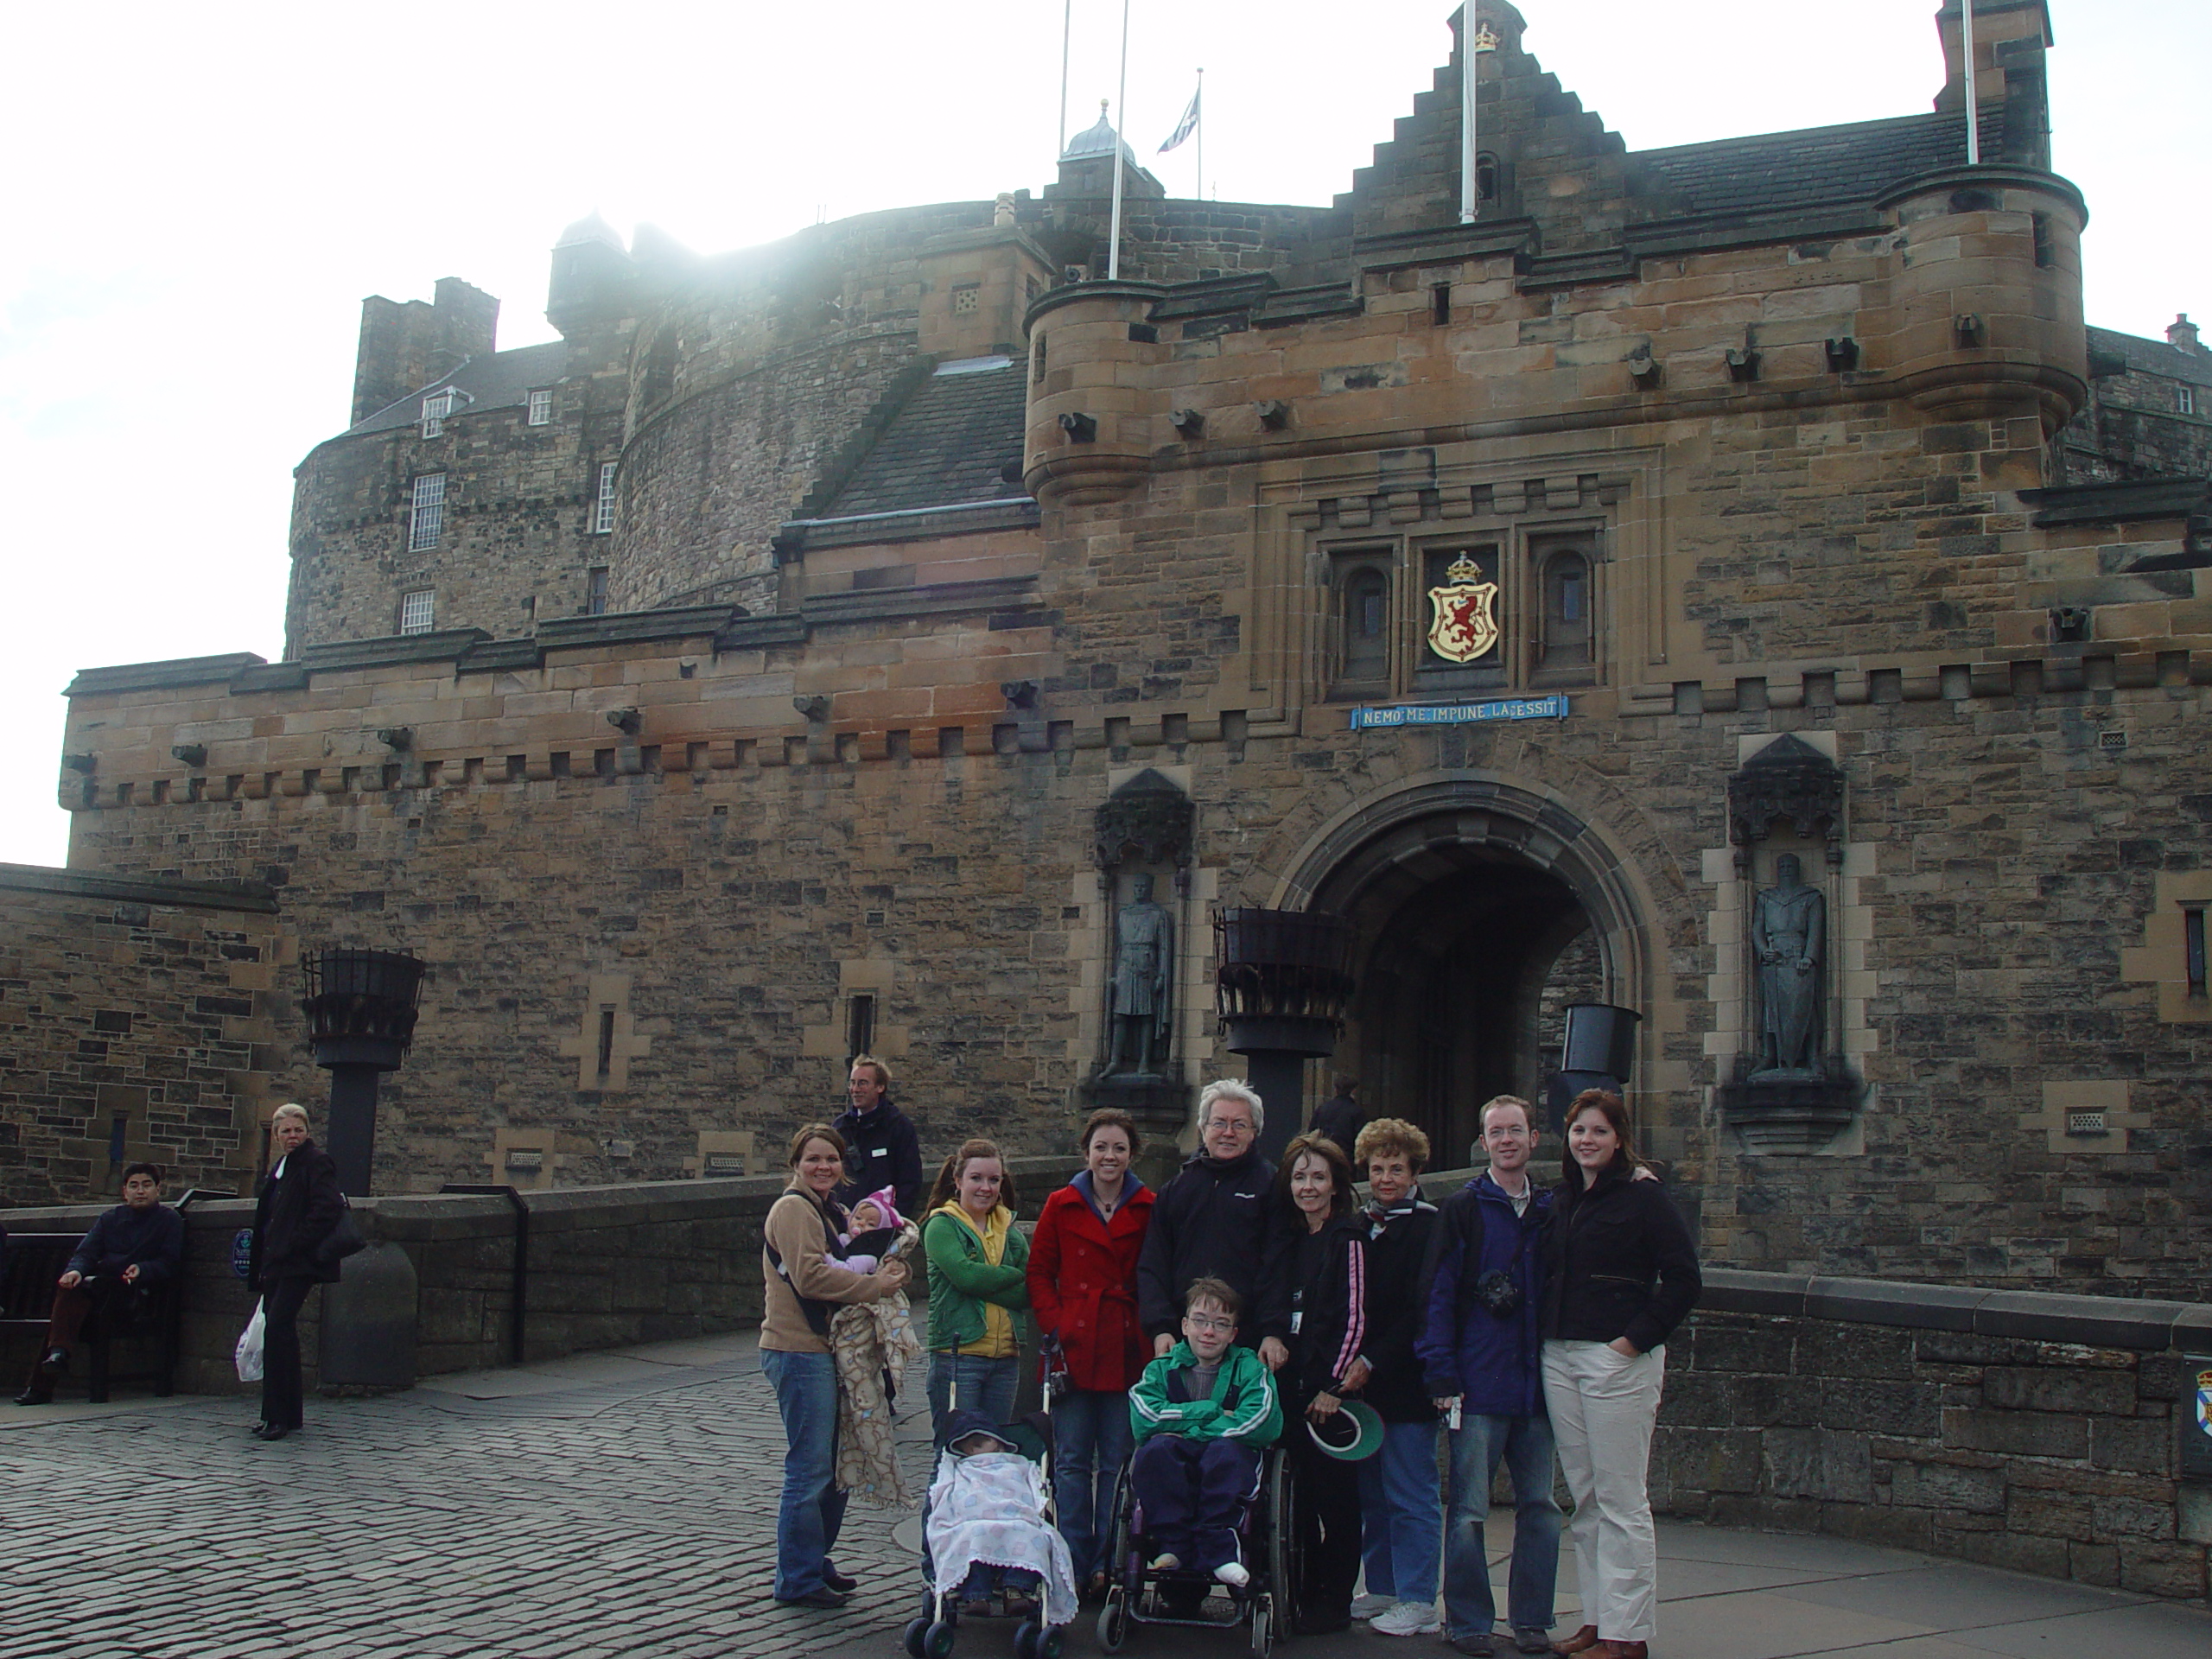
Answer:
(1201, 1413)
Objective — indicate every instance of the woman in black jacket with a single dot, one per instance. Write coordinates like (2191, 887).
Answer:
(300, 1207)
(1325, 1266)
(1400, 1509)
(1620, 1273)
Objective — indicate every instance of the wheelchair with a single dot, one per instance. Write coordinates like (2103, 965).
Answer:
(1265, 1606)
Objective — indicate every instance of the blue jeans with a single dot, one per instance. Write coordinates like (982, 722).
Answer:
(1401, 1519)
(1090, 1442)
(985, 1385)
(812, 1508)
(1525, 1444)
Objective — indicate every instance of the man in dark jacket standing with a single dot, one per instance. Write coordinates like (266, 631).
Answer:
(1212, 1221)
(881, 1148)
(138, 1244)
(1482, 1351)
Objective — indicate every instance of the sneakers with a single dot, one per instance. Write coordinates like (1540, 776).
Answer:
(1407, 1619)
(1528, 1639)
(1480, 1646)
(1368, 1605)
(1234, 1574)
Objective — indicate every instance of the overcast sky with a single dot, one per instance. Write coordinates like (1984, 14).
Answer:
(202, 195)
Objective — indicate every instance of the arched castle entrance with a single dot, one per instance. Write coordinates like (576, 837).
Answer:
(1481, 908)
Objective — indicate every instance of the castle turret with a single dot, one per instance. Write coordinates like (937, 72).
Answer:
(594, 277)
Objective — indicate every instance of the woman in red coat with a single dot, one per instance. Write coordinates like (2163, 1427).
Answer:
(1083, 1276)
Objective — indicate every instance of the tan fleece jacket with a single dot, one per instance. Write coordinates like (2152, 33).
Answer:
(794, 1227)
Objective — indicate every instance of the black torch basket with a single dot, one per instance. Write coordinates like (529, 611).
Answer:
(361, 1006)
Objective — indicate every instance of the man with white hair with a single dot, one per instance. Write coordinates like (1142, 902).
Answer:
(1212, 1221)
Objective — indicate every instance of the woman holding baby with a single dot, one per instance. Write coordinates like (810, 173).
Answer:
(807, 1278)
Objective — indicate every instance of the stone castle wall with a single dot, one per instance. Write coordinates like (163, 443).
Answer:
(136, 1021)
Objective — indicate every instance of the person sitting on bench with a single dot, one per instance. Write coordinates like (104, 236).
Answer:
(135, 1246)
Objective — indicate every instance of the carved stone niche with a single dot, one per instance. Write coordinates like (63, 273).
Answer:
(1142, 843)
(1791, 1091)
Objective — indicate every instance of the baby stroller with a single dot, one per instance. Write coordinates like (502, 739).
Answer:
(990, 1506)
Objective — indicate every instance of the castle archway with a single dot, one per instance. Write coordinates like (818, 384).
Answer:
(1481, 908)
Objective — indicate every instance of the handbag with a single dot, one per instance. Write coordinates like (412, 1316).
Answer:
(247, 1357)
(342, 1240)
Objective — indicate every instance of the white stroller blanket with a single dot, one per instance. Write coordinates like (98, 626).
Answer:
(989, 1510)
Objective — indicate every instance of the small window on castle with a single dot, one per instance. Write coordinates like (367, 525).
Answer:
(541, 406)
(426, 513)
(595, 591)
(602, 518)
(435, 408)
(417, 611)
(1485, 177)
(2185, 399)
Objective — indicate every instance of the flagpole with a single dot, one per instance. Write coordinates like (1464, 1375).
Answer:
(1067, 23)
(1200, 135)
(1122, 116)
(1973, 111)
(1474, 41)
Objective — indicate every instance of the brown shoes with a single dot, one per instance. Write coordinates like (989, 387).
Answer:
(1620, 1650)
(1580, 1642)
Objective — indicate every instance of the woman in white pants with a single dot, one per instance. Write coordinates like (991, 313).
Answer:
(1620, 1273)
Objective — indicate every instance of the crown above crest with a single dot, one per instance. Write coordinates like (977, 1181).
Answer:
(1462, 570)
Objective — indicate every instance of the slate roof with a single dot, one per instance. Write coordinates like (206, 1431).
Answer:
(946, 446)
(501, 381)
(1776, 172)
(2156, 356)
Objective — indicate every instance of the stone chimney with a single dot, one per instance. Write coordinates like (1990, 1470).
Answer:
(2010, 40)
(406, 347)
(2182, 333)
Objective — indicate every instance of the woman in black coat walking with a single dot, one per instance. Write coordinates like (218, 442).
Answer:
(300, 1207)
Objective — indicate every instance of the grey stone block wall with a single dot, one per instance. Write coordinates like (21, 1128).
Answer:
(2030, 1431)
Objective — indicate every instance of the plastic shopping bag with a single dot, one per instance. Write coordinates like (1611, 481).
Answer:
(248, 1351)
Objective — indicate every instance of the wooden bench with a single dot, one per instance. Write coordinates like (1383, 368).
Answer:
(35, 1260)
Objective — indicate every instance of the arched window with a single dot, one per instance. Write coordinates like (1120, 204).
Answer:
(1366, 622)
(1485, 176)
(1567, 604)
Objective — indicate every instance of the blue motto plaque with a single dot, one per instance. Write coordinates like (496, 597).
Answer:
(242, 1251)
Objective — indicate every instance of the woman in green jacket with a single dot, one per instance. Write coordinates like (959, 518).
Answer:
(979, 1289)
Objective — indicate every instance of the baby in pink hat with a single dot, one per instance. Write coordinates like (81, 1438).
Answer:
(875, 1226)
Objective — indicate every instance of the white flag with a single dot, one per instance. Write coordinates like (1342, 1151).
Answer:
(1184, 128)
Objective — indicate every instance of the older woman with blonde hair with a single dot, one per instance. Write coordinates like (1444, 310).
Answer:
(799, 1251)
(300, 1206)
(1400, 1519)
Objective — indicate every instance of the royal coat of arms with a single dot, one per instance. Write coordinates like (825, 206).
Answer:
(1463, 613)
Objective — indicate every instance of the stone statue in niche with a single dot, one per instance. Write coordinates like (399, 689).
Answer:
(1789, 936)
(1141, 1007)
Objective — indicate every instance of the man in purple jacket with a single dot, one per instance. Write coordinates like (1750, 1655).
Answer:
(1481, 1354)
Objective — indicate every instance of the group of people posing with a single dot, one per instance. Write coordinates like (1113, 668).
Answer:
(1182, 1331)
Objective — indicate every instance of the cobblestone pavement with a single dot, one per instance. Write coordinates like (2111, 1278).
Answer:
(624, 1504)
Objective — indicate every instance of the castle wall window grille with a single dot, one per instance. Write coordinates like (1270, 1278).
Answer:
(541, 407)
(595, 591)
(435, 408)
(426, 512)
(418, 611)
(602, 518)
